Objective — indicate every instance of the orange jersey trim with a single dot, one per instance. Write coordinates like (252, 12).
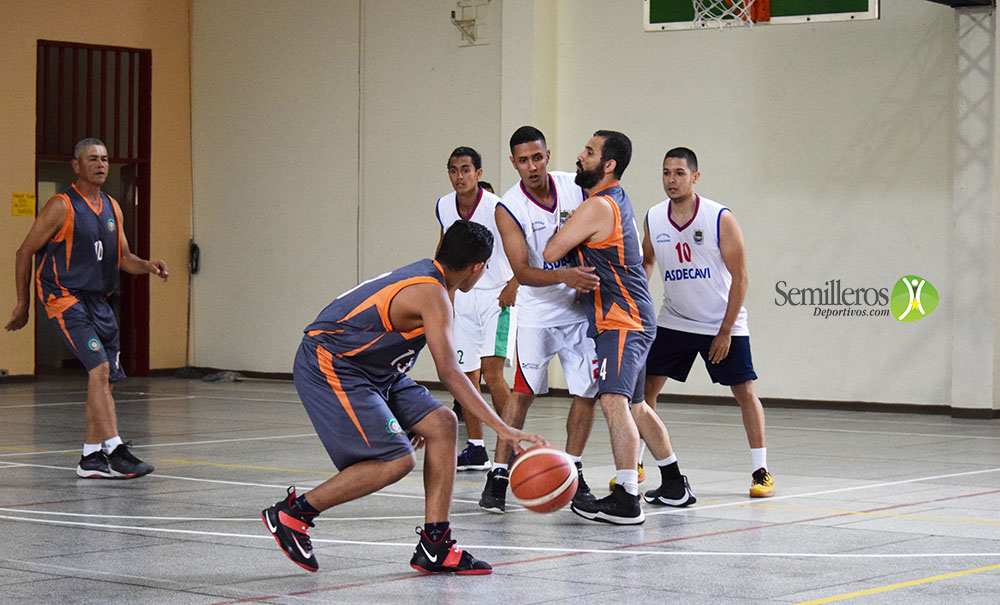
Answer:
(325, 359)
(121, 228)
(383, 298)
(100, 200)
(617, 237)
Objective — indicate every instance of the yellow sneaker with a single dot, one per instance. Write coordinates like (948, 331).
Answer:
(642, 477)
(762, 485)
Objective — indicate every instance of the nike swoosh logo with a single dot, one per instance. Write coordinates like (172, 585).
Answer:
(267, 520)
(305, 554)
(433, 559)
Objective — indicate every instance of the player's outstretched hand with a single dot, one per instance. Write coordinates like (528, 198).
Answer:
(581, 278)
(719, 348)
(18, 319)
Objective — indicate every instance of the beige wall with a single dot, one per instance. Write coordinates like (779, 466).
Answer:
(163, 27)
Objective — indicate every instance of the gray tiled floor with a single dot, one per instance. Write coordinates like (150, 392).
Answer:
(870, 508)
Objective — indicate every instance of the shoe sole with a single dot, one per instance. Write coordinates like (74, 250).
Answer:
(493, 509)
(470, 572)
(605, 518)
(263, 517)
(688, 500)
(85, 474)
(475, 467)
(760, 495)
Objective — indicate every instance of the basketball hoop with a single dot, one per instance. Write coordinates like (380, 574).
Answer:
(731, 13)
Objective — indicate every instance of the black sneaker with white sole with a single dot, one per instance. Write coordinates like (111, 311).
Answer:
(94, 466)
(126, 466)
(672, 493)
(494, 497)
(291, 531)
(473, 458)
(444, 557)
(620, 508)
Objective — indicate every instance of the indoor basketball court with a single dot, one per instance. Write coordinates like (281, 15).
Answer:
(871, 508)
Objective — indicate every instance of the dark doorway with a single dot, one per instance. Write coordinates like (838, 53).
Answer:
(103, 92)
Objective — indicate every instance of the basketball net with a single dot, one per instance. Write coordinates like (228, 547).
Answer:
(731, 13)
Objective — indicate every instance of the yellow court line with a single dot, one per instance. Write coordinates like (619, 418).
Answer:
(329, 473)
(870, 591)
(871, 514)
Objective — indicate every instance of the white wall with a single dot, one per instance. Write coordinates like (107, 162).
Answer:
(832, 143)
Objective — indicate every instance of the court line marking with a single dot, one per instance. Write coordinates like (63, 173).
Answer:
(829, 491)
(596, 551)
(175, 444)
(59, 403)
(32, 511)
(870, 591)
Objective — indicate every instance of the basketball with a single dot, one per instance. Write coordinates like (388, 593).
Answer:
(543, 479)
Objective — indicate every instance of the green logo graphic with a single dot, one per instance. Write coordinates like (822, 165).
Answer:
(111, 224)
(913, 298)
(94, 344)
(392, 427)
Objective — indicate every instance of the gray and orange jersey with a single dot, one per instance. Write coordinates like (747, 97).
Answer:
(355, 327)
(84, 255)
(622, 302)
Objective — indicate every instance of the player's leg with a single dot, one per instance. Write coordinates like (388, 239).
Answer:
(474, 457)
(579, 364)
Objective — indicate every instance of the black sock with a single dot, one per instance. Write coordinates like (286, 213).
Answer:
(302, 506)
(670, 472)
(436, 531)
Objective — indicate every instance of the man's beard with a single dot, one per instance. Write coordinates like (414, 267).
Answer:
(588, 178)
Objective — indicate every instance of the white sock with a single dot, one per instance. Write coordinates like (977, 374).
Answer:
(497, 465)
(478, 442)
(758, 455)
(575, 459)
(90, 448)
(642, 449)
(111, 444)
(668, 460)
(628, 479)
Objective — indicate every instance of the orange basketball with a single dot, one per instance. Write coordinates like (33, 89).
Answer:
(543, 479)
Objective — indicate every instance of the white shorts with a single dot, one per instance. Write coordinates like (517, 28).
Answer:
(537, 346)
(482, 328)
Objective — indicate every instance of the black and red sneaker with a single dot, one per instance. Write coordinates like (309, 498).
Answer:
(444, 557)
(291, 530)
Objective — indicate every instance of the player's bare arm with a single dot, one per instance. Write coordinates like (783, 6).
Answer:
(131, 263)
(593, 221)
(734, 257)
(648, 252)
(46, 225)
(580, 278)
(428, 305)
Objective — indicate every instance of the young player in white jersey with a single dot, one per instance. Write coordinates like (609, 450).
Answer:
(485, 317)
(699, 249)
(550, 320)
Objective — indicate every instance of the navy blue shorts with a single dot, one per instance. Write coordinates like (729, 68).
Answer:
(621, 362)
(357, 417)
(89, 329)
(673, 353)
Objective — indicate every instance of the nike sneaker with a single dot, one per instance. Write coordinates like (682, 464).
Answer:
(676, 492)
(444, 557)
(291, 531)
(494, 497)
(126, 466)
(474, 458)
(620, 508)
(94, 466)
(761, 485)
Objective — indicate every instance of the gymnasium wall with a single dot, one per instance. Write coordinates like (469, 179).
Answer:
(320, 139)
(162, 27)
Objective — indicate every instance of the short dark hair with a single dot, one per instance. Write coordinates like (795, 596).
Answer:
(486, 185)
(465, 243)
(616, 147)
(461, 152)
(84, 143)
(683, 153)
(526, 134)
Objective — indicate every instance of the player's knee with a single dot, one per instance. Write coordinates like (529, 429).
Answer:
(402, 466)
(101, 373)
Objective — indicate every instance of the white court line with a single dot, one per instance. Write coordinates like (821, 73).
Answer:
(820, 493)
(32, 511)
(59, 403)
(149, 445)
(615, 552)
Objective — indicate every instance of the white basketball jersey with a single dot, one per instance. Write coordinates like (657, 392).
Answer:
(695, 279)
(545, 306)
(498, 271)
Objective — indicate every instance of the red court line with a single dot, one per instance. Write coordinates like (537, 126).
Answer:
(655, 542)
